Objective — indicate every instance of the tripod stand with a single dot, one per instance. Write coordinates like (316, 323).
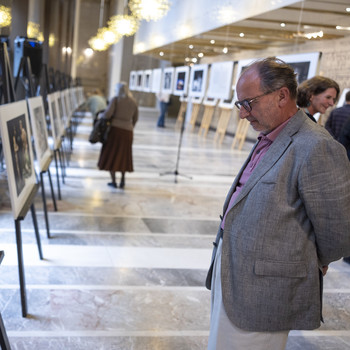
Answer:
(176, 172)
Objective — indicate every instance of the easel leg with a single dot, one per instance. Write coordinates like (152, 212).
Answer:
(61, 157)
(57, 175)
(52, 191)
(37, 236)
(22, 283)
(44, 205)
(4, 342)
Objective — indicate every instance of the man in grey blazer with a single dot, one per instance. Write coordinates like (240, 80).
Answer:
(285, 219)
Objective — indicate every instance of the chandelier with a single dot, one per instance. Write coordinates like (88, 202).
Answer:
(149, 10)
(5, 16)
(98, 44)
(123, 25)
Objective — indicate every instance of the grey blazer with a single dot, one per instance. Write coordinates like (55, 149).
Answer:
(291, 217)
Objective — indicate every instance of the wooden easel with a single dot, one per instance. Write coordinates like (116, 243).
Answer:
(9, 94)
(241, 133)
(224, 118)
(195, 110)
(181, 114)
(206, 120)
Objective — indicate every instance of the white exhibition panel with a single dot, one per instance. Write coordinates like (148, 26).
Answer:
(220, 81)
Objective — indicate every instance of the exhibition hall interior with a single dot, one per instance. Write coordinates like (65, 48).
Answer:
(85, 265)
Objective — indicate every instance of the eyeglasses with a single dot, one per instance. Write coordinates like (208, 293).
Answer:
(246, 103)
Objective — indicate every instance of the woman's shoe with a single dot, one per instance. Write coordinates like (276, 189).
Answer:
(112, 184)
(122, 184)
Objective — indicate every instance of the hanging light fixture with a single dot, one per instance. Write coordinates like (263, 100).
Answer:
(98, 44)
(123, 25)
(109, 36)
(33, 29)
(149, 10)
(5, 16)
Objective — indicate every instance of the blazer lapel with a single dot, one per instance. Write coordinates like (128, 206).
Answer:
(275, 152)
(235, 182)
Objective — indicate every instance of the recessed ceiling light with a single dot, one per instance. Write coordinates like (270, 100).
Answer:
(161, 53)
(347, 9)
(225, 50)
(201, 54)
(194, 59)
(187, 59)
(282, 25)
(342, 28)
(190, 46)
(241, 35)
(212, 41)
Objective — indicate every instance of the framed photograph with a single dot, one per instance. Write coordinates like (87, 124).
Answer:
(139, 80)
(55, 120)
(62, 109)
(68, 106)
(341, 101)
(17, 148)
(306, 65)
(132, 80)
(73, 100)
(181, 81)
(198, 80)
(210, 101)
(156, 80)
(168, 80)
(81, 98)
(147, 80)
(39, 129)
(220, 81)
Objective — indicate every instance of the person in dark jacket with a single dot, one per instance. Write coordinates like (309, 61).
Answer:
(338, 118)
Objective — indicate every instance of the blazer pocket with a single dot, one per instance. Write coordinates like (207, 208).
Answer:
(280, 269)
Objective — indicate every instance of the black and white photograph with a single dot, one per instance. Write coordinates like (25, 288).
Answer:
(17, 148)
(198, 81)
(132, 80)
(147, 79)
(55, 120)
(168, 79)
(139, 80)
(39, 129)
(304, 65)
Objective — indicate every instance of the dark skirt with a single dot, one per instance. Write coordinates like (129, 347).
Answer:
(116, 153)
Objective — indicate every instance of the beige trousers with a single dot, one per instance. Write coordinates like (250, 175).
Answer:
(224, 335)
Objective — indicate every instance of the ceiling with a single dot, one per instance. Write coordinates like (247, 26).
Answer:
(264, 31)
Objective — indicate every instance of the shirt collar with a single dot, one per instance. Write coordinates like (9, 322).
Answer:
(272, 135)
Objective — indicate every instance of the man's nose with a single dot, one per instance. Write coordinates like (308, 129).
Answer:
(243, 113)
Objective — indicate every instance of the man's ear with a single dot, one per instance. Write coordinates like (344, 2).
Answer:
(283, 96)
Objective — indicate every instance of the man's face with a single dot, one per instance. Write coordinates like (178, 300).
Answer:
(265, 114)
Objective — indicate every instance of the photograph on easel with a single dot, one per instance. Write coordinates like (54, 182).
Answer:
(39, 129)
(198, 80)
(181, 81)
(62, 111)
(17, 148)
(55, 120)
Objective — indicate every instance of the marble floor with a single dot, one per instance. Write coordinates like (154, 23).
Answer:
(125, 269)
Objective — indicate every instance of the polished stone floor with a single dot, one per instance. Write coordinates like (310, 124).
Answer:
(125, 269)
